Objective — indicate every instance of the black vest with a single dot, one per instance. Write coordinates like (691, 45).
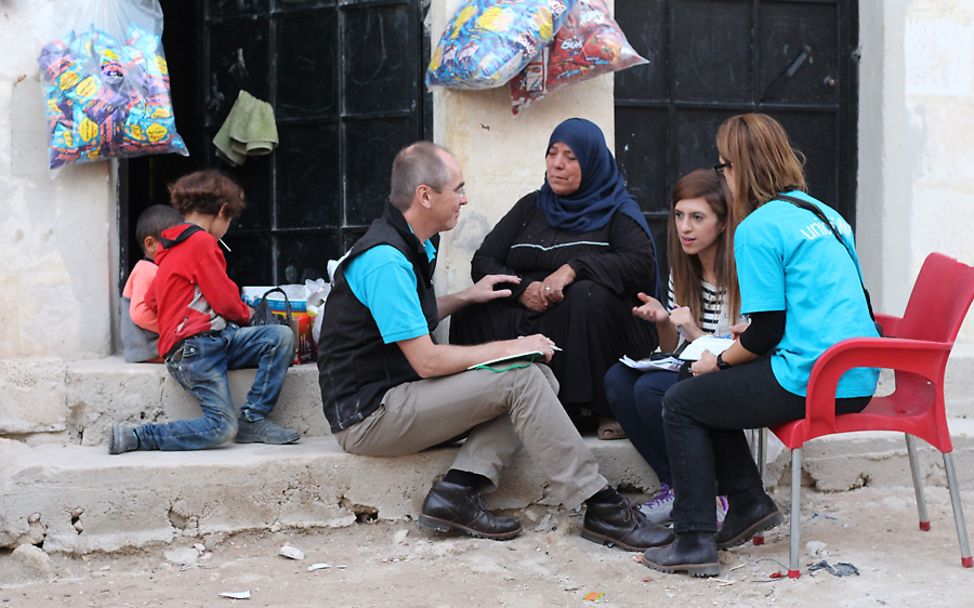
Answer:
(355, 368)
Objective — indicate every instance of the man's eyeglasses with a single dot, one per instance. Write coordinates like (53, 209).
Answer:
(459, 191)
(719, 169)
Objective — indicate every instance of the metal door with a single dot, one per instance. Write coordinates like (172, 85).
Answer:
(796, 60)
(345, 80)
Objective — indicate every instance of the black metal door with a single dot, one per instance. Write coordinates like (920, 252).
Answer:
(710, 59)
(345, 80)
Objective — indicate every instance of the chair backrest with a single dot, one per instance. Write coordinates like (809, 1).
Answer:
(939, 301)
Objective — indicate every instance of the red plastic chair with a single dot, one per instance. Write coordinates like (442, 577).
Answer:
(916, 349)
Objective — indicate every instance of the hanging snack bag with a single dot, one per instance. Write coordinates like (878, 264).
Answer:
(106, 84)
(487, 42)
(590, 43)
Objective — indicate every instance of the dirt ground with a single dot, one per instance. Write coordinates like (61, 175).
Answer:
(397, 564)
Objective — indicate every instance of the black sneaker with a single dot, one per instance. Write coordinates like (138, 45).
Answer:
(122, 439)
(451, 506)
(265, 431)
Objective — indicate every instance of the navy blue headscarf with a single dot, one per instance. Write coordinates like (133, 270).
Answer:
(602, 190)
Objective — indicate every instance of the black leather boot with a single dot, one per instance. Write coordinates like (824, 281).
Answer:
(451, 506)
(618, 523)
(693, 552)
(750, 512)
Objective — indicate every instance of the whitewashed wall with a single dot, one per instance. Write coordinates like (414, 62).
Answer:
(502, 155)
(916, 182)
(57, 232)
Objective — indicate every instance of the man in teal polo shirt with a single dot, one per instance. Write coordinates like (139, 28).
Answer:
(389, 389)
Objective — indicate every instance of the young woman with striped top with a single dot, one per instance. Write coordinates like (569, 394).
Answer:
(703, 299)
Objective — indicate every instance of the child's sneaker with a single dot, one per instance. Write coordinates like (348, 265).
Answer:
(658, 508)
(722, 506)
(264, 431)
(122, 439)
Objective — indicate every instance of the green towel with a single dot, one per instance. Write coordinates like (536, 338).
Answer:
(249, 130)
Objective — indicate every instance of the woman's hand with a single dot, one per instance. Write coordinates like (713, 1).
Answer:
(738, 328)
(651, 309)
(682, 317)
(705, 364)
(533, 298)
(556, 282)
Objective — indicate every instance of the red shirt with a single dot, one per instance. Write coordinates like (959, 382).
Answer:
(192, 293)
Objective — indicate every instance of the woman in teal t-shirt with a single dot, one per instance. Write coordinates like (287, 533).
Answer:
(801, 288)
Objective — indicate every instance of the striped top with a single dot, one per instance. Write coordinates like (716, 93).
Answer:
(716, 318)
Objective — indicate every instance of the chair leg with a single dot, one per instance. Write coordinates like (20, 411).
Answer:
(762, 444)
(965, 550)
(911, 450)
(796, 513)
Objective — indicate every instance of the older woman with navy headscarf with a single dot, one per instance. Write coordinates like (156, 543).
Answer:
(583, 251)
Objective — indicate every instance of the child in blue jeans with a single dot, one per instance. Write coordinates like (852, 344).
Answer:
(203, 332)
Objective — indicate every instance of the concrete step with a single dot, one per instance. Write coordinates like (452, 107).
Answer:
(856, 460)
(103, 391)
(75, 402)
(79, 499)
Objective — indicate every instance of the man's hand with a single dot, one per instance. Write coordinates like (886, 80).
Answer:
(650, 310)
(483, 290)
(705, 364)
(533, 298)
(556, 282)
(538, 342)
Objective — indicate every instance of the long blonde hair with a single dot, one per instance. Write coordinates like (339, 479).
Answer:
(763, 161)
(686, 270)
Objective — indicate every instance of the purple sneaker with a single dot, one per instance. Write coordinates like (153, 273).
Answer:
(722, 506)
(658, 508)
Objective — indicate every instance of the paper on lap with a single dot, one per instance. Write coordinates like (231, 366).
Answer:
(706, 342)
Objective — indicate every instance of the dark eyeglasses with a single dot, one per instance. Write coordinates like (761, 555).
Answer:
(719, 169)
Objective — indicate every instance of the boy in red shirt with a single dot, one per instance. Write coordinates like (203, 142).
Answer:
(202, 329)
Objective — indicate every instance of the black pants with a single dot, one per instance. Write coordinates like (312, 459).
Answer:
(704, 419)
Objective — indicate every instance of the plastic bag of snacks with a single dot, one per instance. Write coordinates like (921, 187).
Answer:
(487, 42)
(106, 84)
(590, 43)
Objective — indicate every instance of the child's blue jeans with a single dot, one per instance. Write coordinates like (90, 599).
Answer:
(201, 368)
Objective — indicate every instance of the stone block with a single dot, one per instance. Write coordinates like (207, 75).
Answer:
(89, 501)
(103, 391)
(32, 396)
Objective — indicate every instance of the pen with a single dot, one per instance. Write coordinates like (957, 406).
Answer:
(225, 246)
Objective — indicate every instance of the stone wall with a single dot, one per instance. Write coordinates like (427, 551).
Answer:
(57, 233)
(916, 109)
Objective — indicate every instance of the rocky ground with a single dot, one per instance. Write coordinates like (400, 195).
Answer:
(397, 564)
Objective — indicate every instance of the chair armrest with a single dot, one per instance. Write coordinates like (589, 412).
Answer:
(921, 357)
(889, 323)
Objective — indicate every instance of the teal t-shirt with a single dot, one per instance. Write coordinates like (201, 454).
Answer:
(384, 281)
(787, 259)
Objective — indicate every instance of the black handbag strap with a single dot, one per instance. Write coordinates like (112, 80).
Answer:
(825, 220)
(287, 303)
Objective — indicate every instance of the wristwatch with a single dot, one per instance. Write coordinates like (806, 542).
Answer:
(721, 364)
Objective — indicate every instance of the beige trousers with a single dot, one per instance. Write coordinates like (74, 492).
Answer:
(502, 411)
